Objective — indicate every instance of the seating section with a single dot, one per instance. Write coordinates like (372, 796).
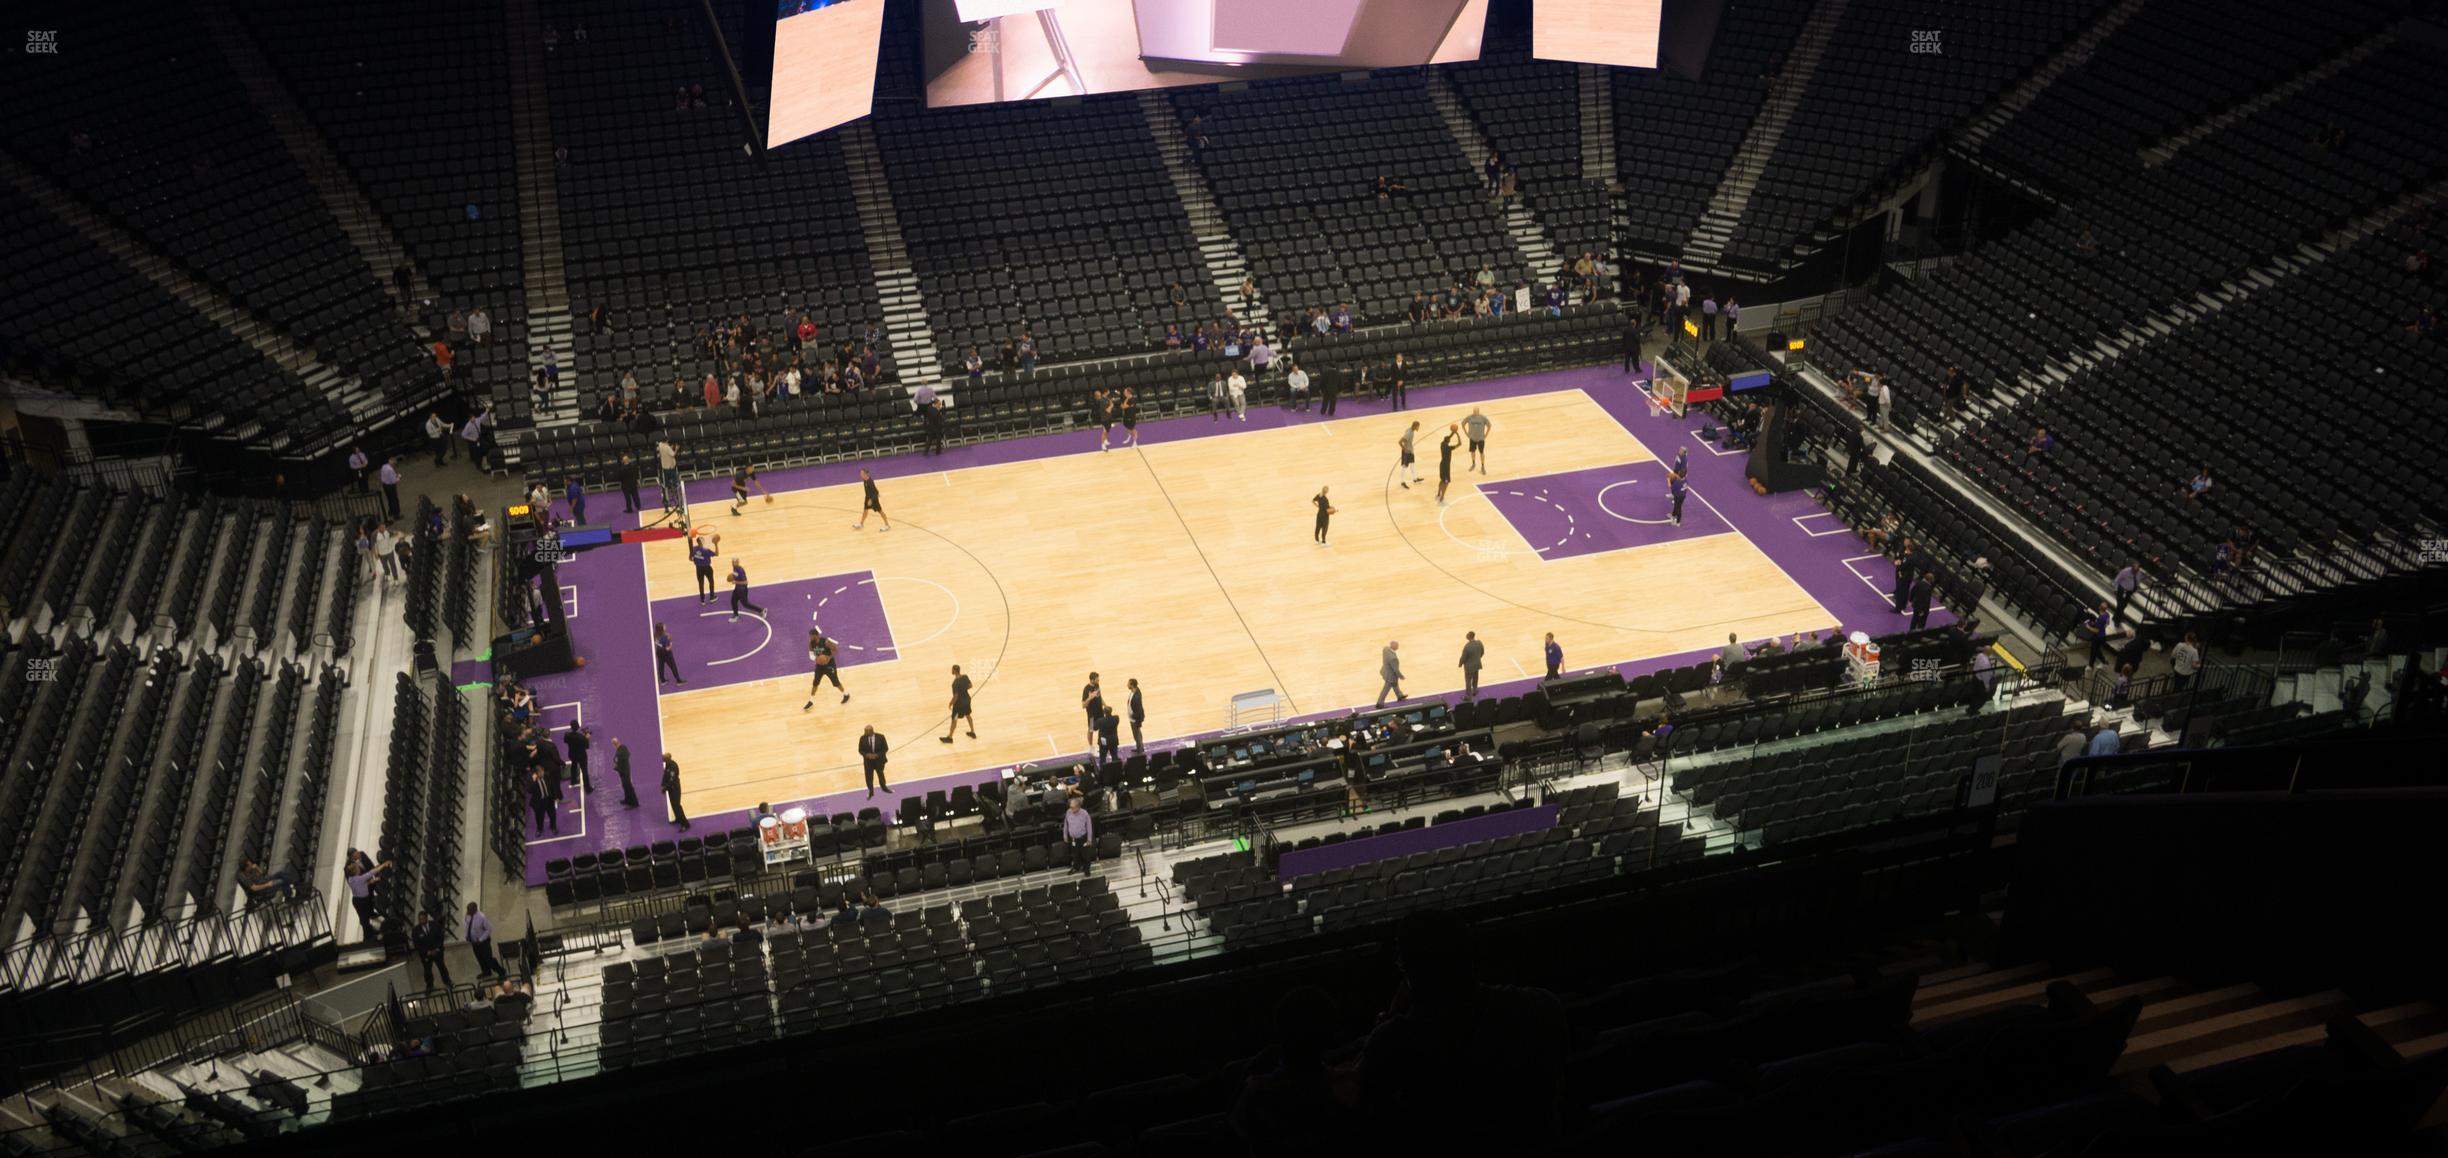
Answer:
(2210, 395)
(1294, 166)
(140, 779)
(815, 974)
(666, 224)
(410, 804)
(454, 1053)
(1957, 540)
(2149, 419)
(156, 133)
(827, 428)
(1676, 137)
(1877, 108)
(2170, 67)
(1529, 112)
(1810, 791)
(80, 320)
(1054, 219)
(416, 104)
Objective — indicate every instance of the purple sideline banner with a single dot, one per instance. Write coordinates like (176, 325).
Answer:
(1429, 838)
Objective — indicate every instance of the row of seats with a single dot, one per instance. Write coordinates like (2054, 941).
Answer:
(157, 134)
(1293, 165)
(1895, 76)
(664, 220)
(1057, 218)
(2173, 64)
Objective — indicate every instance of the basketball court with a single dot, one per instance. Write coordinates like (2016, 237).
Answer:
(1187, 563)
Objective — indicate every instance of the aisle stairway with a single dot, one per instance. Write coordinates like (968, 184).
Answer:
(550, 326)
(1225, 266)
(1529, 237)
(906, 329)
(1725, 209)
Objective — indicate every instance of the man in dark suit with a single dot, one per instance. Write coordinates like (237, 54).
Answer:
(1473, 653)
(427, 938)
(629, 484)
(1138, 716)
(620, 765)
(872, 754)
(1907, 561)
(671, 791)
(1109, 739)
(1330, 387)
(577, 742)
(1922, 590)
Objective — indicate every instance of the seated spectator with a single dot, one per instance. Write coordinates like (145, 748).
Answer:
(1425, 1072)
(2041, 446)
(1172, 339)
(265, 886)
(1179, 298)
(2197, 486)
(1418, 310)
(1292, 1103)
(2086, 245)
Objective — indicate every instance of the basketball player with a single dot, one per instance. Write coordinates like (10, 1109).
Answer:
(1325, 511)
(823, 656)
(741, 479)
(960, 706)
(875, 502)
(1445, 449)
(1476, 426)
(1403, 469)
(739, 590)
(1130, 416)
(1101, 408)
(1092, 702)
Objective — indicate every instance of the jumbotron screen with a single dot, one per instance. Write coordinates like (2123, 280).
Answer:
(983, 51)
(824, 65)
(1619, 32)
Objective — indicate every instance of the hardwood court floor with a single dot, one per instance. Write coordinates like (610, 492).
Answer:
(1189, 565)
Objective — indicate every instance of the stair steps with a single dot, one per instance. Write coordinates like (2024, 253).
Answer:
(1227, 269)
(908, 332)
(1529, 237)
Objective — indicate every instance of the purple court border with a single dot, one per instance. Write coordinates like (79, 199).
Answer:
(1835, 570)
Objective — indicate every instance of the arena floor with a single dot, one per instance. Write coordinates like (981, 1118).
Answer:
(1187, 563)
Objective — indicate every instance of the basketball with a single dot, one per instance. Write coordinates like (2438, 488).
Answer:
(769, 500)
(581, 661)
